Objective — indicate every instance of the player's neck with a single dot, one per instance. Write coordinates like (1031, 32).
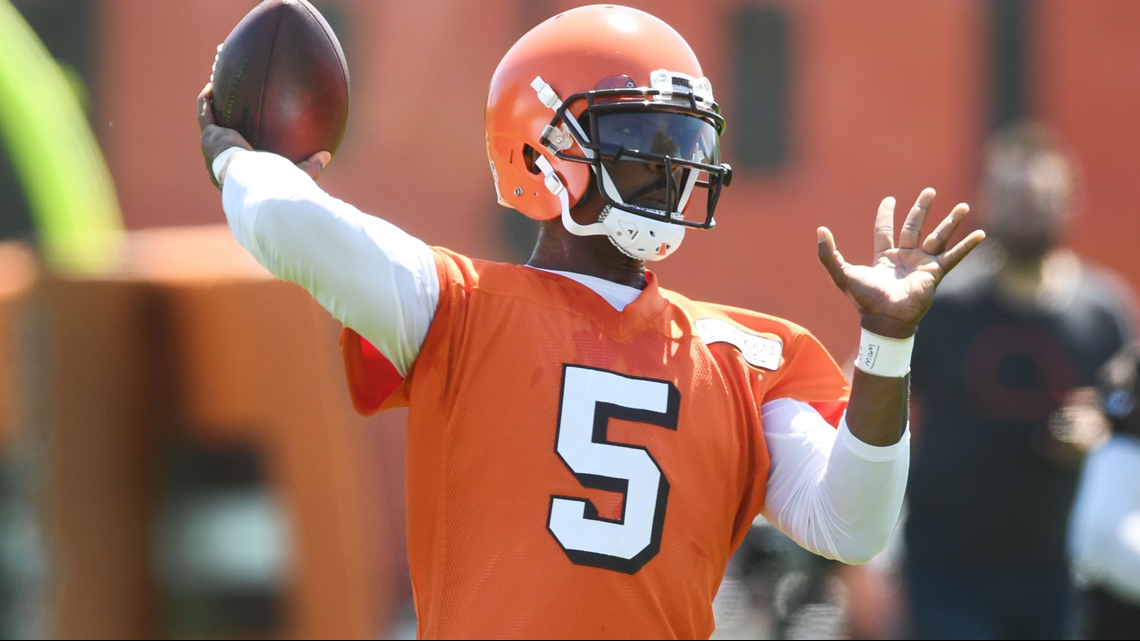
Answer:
(560, 250)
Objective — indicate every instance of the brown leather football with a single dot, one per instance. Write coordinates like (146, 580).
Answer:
(281, 80)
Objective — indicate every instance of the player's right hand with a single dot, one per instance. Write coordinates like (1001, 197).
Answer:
(217, 139)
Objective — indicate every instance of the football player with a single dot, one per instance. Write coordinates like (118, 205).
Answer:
(585, 447)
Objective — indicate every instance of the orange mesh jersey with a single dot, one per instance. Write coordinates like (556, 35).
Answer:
(575, 471)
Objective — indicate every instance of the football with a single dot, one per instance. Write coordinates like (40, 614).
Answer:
(281, 80)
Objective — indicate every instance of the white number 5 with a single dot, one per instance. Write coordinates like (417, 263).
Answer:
(590, 398)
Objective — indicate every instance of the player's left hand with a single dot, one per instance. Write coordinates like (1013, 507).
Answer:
(894, 292)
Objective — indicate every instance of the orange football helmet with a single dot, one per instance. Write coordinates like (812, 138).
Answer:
(592, 87)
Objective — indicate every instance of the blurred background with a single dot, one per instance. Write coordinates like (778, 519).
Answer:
(178, 452)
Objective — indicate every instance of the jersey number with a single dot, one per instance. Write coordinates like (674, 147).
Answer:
(590, 398)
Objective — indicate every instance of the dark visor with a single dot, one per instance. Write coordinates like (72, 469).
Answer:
(680, 136)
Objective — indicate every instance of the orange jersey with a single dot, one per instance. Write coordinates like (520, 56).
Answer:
(574, 471)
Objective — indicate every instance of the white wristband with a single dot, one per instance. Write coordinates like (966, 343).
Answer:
(883, 356)
(220, 162)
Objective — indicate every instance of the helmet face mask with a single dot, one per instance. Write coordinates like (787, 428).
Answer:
(673, 134)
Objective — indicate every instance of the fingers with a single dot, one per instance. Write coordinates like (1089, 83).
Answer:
(831, 258)
(954, 255)
(206, 107)
(315, 164)
(912, 228)
(214, 66)
(936, 242)
(885, 227)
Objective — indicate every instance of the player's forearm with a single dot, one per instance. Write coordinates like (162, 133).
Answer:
(844, 502)
(827, 490)
(367, 273)
(862, 492)
(877, 411)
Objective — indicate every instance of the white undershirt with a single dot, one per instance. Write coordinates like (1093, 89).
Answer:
(827, 490)
(616, 294)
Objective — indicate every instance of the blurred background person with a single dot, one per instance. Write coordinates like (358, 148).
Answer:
(1105, 527)
(991, 484)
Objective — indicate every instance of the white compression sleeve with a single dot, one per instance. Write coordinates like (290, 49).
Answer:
(366, 272)
(827, 490)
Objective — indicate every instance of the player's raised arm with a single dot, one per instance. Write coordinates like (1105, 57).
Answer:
(839, 493)
(367, 273)
(892, 295)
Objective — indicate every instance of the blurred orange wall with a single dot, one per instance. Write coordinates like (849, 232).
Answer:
(1088, 80)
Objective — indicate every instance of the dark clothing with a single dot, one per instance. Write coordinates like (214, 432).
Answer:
(986, 377)
(1107, 617)
(948, 602)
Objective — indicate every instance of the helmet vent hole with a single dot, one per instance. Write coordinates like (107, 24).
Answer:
(528, 158)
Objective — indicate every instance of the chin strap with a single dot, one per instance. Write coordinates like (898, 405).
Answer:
(554, 185)
(635, 236)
